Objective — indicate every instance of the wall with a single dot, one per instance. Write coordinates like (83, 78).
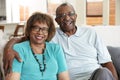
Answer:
(13, 12)
(80, 6)
(2, 8)
(109, 34)
(117, 12)
(81, 11)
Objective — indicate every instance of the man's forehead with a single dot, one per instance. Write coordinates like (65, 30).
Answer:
(65, 9)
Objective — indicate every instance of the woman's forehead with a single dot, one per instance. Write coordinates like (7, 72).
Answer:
(40, 23)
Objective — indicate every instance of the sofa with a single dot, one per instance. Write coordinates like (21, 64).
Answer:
(115, 55)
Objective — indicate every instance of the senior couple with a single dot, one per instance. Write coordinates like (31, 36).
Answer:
(69, 52)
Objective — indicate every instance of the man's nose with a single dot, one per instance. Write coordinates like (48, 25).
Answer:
(67, 17)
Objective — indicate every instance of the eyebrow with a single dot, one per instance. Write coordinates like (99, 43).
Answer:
(40, 26)
(67, 12)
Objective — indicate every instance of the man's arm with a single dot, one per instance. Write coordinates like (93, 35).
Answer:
(13, 76)
(111, 67)
(10, 54)
(63, 76)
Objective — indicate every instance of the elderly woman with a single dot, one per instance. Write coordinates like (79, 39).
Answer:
(41, 60)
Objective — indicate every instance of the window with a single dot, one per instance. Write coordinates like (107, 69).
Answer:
(94, 12)
(52, 5)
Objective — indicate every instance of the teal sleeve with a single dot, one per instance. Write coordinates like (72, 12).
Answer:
(62, 66)
(17, 66)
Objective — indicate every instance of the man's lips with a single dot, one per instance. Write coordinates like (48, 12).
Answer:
(67, 23)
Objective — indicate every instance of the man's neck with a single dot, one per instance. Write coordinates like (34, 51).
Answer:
(71, 32)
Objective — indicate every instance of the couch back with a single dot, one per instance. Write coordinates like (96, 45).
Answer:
(115, 55)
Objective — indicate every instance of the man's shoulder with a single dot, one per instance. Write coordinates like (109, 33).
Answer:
(85, 29)
(52, 45)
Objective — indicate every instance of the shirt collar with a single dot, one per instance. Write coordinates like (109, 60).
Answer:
(62, 33)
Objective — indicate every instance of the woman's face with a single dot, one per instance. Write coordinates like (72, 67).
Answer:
(39, 33)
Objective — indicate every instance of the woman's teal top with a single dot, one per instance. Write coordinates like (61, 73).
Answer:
(29, 68)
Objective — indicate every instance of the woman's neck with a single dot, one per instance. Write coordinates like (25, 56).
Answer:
(38, 49)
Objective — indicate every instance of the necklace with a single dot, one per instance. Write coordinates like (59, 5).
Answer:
(42, 69)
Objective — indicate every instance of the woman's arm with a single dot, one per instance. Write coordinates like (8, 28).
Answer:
(63, 76)
(10, 54)
(13, 76)
(62, 65)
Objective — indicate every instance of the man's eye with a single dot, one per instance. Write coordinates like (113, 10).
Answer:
(62, 15)
(66, 14)
(71, 14)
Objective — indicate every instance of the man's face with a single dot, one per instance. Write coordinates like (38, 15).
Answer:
(66, 18)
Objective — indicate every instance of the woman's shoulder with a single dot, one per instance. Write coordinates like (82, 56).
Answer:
(52, 45)
(22, 44)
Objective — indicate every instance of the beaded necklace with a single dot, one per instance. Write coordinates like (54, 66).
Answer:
(42, 69)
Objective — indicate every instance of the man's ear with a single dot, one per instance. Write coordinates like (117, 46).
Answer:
(75, 15)
(57, 20)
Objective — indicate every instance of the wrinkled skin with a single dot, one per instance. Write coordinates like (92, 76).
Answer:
(10, 54)
(8, 62)
(67, 23)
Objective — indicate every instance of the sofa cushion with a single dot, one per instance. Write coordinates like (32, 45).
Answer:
(115, 55)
